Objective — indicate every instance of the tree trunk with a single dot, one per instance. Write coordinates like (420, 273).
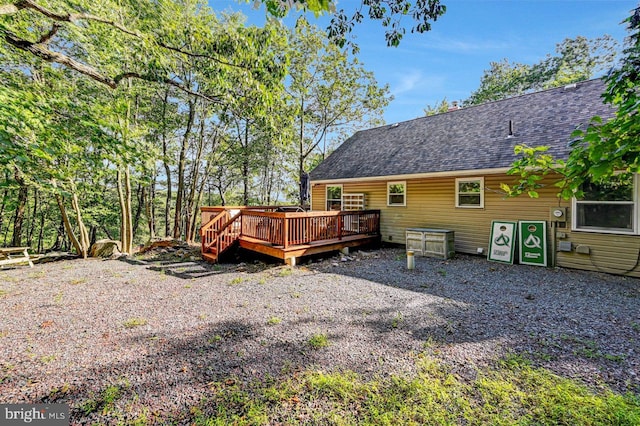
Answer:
(18, 219)
(150, 206)
(167, 166)
(82, 230)
(124, 197)
(140, 197)
(67, 226)
(181, 168)
(2, 207)
(245, 165)
(195, 187)
(34, 217)
(41, 230)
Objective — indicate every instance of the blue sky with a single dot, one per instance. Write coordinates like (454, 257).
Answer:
(449, 60)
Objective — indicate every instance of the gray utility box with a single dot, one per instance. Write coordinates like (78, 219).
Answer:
(431, 242)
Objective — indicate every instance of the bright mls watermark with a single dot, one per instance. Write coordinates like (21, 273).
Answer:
(34, 414)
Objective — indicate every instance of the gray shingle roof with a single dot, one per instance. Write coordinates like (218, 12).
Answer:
(471, 138)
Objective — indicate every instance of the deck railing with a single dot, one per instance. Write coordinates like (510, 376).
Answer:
(287, 229)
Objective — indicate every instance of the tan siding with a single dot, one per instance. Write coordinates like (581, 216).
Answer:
(318, 197)
(616, 254)
(431, 204)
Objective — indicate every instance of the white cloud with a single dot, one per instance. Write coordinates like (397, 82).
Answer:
(451, 44)
(414, 80)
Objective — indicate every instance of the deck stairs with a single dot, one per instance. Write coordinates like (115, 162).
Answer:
(220, 234)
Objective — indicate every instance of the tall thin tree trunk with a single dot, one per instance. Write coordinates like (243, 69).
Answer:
(34, 217)
(41, 230)
(140, 197)
(150, 206)
(67, 225)
(177, 220)
(245, 165)
(82, 230)
(167, 167)
(195, 187)
(124, 197)
(2, 207)
(18, 219)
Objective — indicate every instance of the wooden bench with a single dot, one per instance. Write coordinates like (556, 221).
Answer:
(14, 255)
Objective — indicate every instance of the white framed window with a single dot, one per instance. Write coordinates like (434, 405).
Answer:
(397, 193)
(610, 207)
(470, 193)
(334, 197)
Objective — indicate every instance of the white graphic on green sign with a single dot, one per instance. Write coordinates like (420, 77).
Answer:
(533, 242)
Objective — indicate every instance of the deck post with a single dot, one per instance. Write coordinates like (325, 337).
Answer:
(285, 230)
(340, 225)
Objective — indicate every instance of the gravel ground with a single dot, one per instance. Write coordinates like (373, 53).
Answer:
(164, 331)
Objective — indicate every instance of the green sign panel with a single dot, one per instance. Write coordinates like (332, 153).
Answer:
(502, 245)
(533, 242)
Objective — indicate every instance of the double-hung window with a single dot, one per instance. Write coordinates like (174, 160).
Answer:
(396, 193)
(610, 207)
(334, 197)
(470, 192)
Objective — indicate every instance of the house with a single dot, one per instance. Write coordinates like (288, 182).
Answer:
(444, 171)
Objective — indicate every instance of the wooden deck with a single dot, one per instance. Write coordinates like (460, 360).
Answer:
(285, 235)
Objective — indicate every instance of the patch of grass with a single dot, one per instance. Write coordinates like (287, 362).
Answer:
(512, 393)
(635, 326)
(38, 274)
(188, 286)
(104, 402)
(47, 359)
(3, 333)
(262, 281)
(442, 272)
(614, 358)
(274, 321)
(318, 341)
(202, 316)
(8, 278)
(135, 322)
(397, 320)
(285, 272)
(78, 281)
(236, 280)
(57, 299)
(3, 293)
(296, 295)
(215, 339)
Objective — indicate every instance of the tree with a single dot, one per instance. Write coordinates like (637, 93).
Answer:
(604, 150)
(577, 60)
(63, 34)
(330, 93)
(442, 106)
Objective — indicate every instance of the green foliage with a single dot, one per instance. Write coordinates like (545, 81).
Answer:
(604, 152)
(438, 108)
(577, 59)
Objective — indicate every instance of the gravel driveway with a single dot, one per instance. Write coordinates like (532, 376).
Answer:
(166, 330)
